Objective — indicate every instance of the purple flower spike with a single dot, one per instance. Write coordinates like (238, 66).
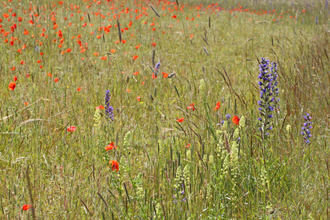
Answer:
(307, 125)
(108, 107)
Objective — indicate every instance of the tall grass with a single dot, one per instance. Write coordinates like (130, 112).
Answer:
(205, 167)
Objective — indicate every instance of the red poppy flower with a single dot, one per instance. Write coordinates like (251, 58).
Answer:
(15, 78)
(110, 147)
(188, 145)
(135, 57)
(174, 16)
(153, 44)
(12, 86)
(71, 128)
(138, 98)
(191, 106)
(79, 89)
(22, 62)
(136, 73)
(180, 120)
(154, 76)
(165, 75)
(26, 103)
(217, 106)
(99, 107)
(56, 80)
(26, 207)
(236, 120)
(114, 165)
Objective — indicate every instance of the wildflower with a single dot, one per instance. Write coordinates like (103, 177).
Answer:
(108, 107)
(288, 128)
(71, 129)
(191, 106)
(12, 86)
(26, 103)
(135, 57)
(37, 49)
(165, 75)
(188, 154)
(306, 128)
(180, 120)
(15, 78)
(242, 122)
(217, 106)
(114, 165)
(157, 66)
(268, 93)
(136, 73)
(228, 116)
(26, 207)
(138, 98)
(99, 107)
(79, 89)
(236, 120)
(110, 147)
(56, 80)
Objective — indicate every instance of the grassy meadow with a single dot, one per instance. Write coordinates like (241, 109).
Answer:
(149, 109)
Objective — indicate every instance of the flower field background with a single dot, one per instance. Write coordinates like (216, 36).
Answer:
(164, 109)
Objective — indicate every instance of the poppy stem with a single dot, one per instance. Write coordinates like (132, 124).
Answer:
(30, 192)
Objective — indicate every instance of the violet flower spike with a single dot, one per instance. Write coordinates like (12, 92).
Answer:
(306, 128)
(108, 107)
(268, 94)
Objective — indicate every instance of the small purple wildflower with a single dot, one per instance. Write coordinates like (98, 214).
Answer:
(228, 116)
(306, 128)
(108, 107)
(157, 66)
